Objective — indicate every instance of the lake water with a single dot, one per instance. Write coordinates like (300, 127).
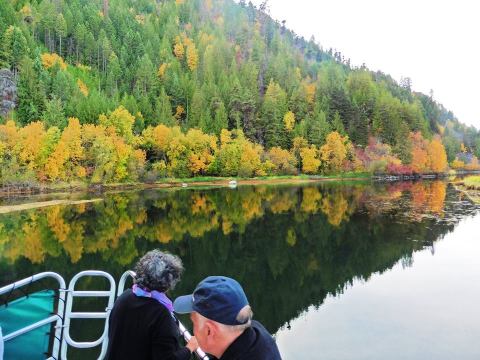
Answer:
(335, 271)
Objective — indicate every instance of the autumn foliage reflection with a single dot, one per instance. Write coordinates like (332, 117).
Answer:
(314, 239)
(112, 227)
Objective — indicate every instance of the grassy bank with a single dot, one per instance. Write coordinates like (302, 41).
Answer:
(470, 186)
(472, 182)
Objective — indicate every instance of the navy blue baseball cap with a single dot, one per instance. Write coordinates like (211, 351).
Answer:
(218, 298)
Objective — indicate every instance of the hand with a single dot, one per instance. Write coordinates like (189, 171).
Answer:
(192, 344)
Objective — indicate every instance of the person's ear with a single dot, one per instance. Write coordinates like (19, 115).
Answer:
(210, 329)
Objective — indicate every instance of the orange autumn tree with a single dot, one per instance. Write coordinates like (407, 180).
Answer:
(420, 160)
(427, 155)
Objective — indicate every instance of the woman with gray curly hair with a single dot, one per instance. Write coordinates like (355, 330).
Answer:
(141, 324)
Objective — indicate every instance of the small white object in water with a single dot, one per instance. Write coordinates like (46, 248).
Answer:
(184, 184)
(232, 184)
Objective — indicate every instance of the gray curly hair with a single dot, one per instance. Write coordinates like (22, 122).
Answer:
(158, 270)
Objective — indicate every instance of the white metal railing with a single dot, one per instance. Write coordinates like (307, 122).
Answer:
(123, 279)
(55, 317)
(64, 312)
(183, 330)
(69, 314)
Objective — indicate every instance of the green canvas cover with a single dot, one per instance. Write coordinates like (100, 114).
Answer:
(23, 312)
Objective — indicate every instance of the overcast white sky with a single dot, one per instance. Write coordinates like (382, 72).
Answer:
(435, 43)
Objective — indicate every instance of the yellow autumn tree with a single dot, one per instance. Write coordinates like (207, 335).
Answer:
(310, 161)
(284, 162)
(121, 120)
(30, 145)
(157, 138)
(192, 57)
(179, 112)
(458, 164)
(49, 60)
(298, 144)
(250, 160)
(289, 120)
(55, 166)
(178, 48)
(83, 88)
(202, 148)
(72, 137)
(225, 137)
(162, 69)
(334, 152)
(310, 92)
(9, 135)
(437, 156)
(64, 162)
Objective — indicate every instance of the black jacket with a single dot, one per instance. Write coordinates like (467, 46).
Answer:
(255, 343)
(141, 328)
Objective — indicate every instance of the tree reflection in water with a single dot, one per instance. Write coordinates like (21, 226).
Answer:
(289, 246)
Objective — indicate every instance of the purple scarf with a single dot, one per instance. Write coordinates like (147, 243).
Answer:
(157, 295)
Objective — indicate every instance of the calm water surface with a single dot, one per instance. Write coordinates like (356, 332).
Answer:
(335, 271)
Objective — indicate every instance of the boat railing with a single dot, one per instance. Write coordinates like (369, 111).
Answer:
(69, 314)
(56, 317)
(64, 312)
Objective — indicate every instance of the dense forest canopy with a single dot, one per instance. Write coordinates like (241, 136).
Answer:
(94, 88)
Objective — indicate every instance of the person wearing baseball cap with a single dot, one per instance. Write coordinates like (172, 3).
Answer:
(222, 321)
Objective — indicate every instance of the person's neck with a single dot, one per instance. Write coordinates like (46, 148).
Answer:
(225, 343)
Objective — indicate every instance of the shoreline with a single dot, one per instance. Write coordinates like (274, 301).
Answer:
(20, 190)
(16, 190)
(112, 188)
(101, 189)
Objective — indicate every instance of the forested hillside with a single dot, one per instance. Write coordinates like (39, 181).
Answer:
(127, 90)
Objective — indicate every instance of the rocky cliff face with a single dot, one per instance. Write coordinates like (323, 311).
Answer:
(8, 92)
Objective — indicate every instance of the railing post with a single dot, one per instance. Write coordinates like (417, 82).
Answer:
(103, 339)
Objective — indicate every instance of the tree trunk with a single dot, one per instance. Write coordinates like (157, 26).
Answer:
(105, 8)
